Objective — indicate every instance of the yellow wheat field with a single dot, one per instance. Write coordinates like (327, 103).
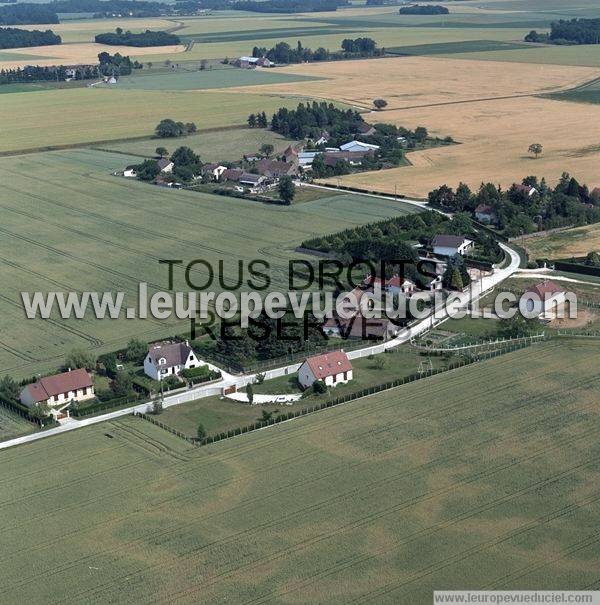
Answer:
(487, 106)
(72, 54)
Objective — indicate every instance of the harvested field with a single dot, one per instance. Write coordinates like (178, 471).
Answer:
(439, 483)
(407, 82)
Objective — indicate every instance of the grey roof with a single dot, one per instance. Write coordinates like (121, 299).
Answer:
(251, 178)
(163, 163)
(448, 241)
(174, 353)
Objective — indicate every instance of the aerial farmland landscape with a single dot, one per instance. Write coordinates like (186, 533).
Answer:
(301, 301)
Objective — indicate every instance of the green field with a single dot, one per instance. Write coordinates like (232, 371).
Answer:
(445, 483)
(68, 224)
(217, 146)
(100, 115)
(12, 425)
(203, 80)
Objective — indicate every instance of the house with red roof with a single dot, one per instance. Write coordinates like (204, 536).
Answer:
(332, 368)
(60, 389)
(544, 299)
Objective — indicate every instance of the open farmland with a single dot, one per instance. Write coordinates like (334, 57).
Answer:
(212, 146)
(69, 225)
(441, 483)
(129, 113)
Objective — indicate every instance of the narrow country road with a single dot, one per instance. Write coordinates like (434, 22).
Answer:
(476, 290)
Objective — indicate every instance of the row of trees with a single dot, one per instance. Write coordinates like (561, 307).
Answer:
(289, 6)
(282, 52)
(25, 13)
(424, 9)
(147, 38)
(131, 8)
(258, 120)
(520, 209)
(12, 37)
(574, 31)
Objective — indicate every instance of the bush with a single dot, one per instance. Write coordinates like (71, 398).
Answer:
(319, 387)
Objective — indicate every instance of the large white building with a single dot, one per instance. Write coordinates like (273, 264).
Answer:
(332, 368)
(166, 359)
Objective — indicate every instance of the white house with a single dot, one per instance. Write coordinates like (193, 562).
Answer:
(451, 245)
(214, 170)
(544, 298)
(169, 359)
(130, 172)
(332, 368)
(358, 146)
(59, 389)
(394, 285)
(165, 165)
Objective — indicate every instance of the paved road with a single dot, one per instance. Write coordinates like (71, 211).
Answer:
(476, 291)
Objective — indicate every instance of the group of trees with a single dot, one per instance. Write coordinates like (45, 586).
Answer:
(520, 210)
(423, 9)
(116, 65)
(573, 31)
(147, 38)
(11, 37)
(288, 6)
(311, 119)
(25, 13)
(282, 52)
(109, 8)
(186, 165)
(258, 120)
(169, 128)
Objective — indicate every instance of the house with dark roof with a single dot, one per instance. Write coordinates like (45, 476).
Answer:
(290, 156)
(165, 165)
(451, 245)
(332, 368)
(251, 179)
(166, 359)
(215, 171)
(232, 174)
(366, 130)
(275, 170)
(60, 389)
(354, 158)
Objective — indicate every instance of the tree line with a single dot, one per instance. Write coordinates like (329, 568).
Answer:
(12, 37)
(25, 13)
(424, 9)
(289, 6)
(521, 209)
(147, 38)
(282, 52)
(574, 31)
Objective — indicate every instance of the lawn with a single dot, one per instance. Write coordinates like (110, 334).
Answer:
(484, 477)
(37, 121)
(69, 225)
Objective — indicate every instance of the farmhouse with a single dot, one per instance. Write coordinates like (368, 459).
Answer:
(305, 158)
(528, 190)
(544, 297)
(169, 359)
(451, 245)
(75, 385)
(394, 285)
(358, 146)
(251, 179)
(130, 172)
(215, 171)
(290, 156)
(332, 368)
(251, 62)
(165, 165)
(354, 158)
(232, 174)
(276, 170)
